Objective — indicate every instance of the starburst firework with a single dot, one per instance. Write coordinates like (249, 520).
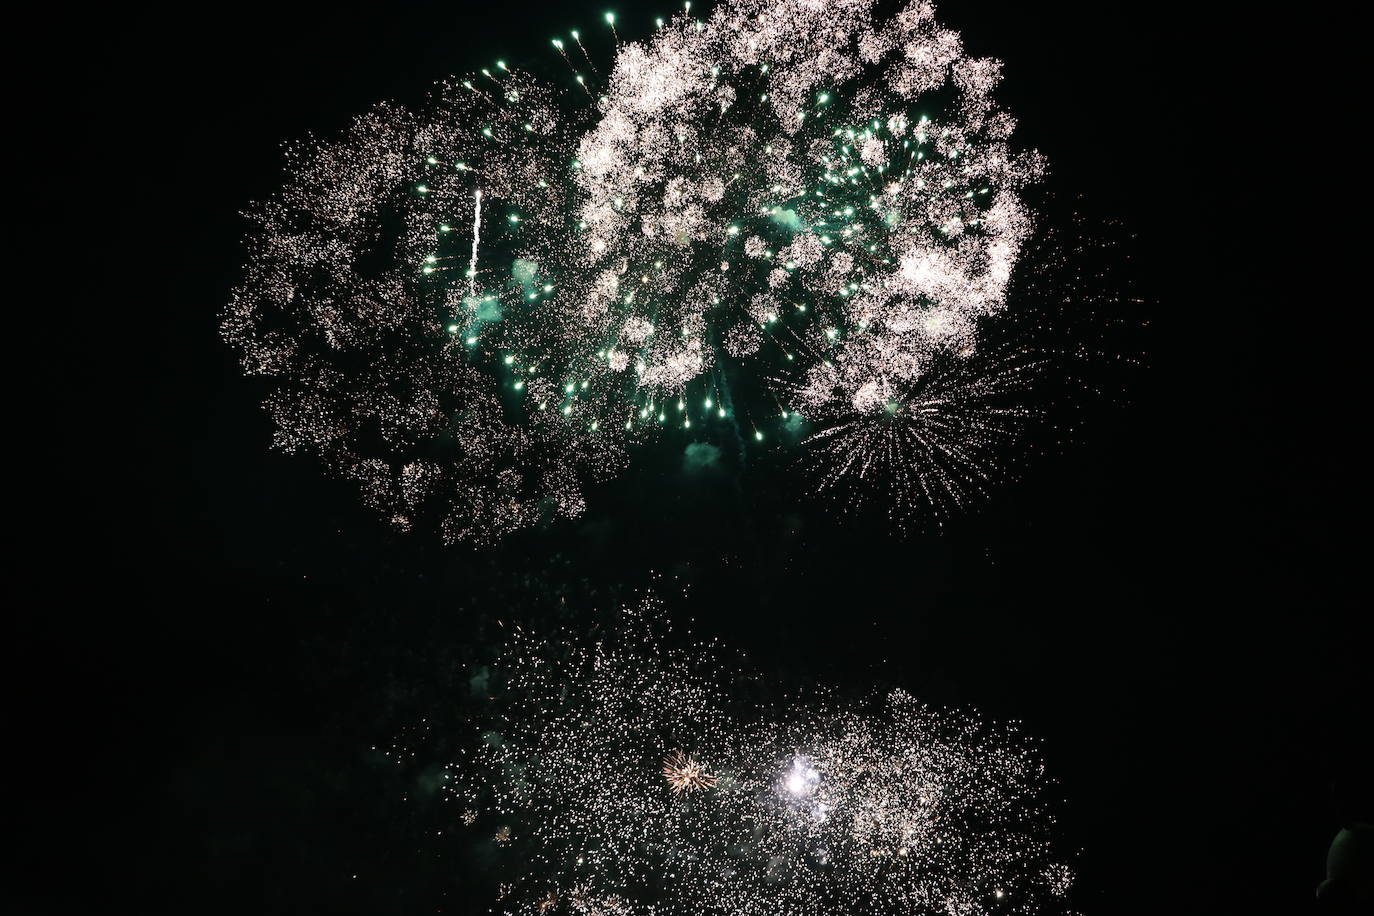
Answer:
(935, 443)
(684, 774)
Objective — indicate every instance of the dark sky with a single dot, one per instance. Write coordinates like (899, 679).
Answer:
(219, 632)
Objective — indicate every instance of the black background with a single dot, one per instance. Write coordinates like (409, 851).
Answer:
(217, 633)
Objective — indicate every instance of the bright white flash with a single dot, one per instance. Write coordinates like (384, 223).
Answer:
(802, 779)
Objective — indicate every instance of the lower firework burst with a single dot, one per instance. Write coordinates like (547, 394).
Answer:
(816, 806)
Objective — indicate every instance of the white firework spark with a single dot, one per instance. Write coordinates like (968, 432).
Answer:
(791, 191)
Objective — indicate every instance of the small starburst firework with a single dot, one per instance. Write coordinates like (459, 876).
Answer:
(685, 774)
(935, 442)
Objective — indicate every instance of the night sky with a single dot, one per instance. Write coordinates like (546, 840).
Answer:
(219, 633)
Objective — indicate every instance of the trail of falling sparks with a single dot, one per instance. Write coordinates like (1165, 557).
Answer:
(476, 238)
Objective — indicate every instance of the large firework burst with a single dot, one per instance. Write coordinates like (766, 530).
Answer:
(789, 209)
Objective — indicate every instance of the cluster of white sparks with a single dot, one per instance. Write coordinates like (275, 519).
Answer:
(812, 807)
(474, 310)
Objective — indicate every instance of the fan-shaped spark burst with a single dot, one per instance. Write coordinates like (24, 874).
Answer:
(937, 443)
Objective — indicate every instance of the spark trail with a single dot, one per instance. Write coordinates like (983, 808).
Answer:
(476, 239)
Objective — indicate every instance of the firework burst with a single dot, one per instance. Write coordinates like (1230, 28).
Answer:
(788, 209)
(815, 806)
(935, 444)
